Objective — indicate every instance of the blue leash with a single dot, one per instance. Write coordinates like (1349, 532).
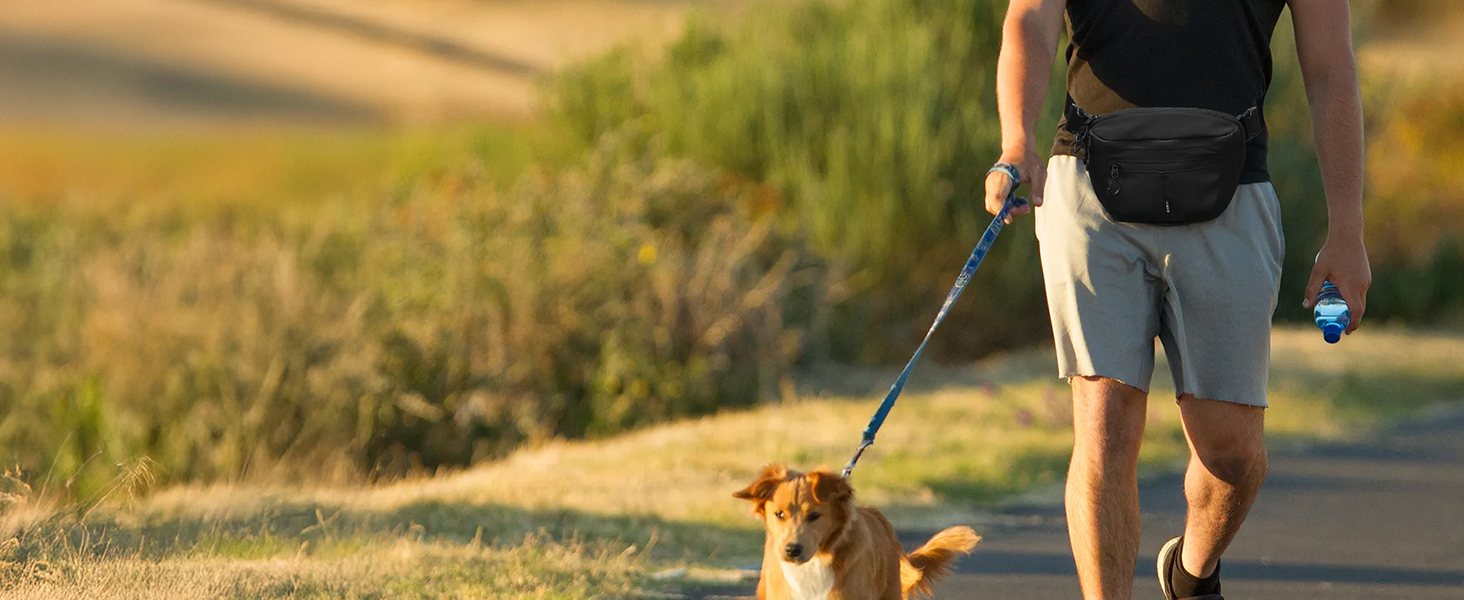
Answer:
(977, 254)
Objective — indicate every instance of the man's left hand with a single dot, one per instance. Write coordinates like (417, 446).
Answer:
(1342, 261)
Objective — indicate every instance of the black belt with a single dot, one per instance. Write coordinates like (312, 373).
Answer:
(1075, 119)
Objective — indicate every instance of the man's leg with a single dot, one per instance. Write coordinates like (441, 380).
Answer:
(1226, 467)
(1102, 496)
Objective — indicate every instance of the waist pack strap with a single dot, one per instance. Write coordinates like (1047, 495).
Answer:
(1076, 120)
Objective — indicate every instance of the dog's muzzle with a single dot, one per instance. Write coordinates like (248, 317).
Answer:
(793, 550)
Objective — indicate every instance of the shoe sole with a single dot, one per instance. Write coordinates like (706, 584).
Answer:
(1166, 557)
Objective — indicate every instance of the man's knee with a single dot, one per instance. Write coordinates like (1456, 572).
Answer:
(1227, 439)
(1242, 465)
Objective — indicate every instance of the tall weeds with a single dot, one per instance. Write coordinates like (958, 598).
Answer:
(449, 322)
(874, 122)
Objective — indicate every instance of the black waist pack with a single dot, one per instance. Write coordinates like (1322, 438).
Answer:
(1163, 166)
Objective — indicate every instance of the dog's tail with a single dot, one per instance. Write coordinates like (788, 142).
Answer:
(922, 567)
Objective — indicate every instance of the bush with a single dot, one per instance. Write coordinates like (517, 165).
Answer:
(1416, 199)
(445, 324)
(633, 290)
(875, 122)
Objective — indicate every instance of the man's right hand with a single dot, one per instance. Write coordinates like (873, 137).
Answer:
(998, 185)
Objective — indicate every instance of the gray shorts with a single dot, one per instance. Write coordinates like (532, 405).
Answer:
(1207, 290)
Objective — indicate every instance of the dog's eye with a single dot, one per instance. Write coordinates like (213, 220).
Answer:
(780, 515)
(813, 517)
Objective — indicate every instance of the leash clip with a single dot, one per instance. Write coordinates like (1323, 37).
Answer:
(849, 468)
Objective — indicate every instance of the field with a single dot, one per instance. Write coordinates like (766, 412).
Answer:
(234, 64)
(603, 519)
(468, 299)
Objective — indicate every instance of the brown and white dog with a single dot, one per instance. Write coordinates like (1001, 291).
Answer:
(820, 546)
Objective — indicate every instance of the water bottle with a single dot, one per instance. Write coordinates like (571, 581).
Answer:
(1331, 313)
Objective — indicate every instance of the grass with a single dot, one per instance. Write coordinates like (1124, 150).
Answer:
(436, 322)
(196, 176)
(399, 569)
(261, 170)
(870, 123)
(597, 518)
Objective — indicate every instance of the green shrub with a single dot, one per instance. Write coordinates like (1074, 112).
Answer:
(1416, 200)
(633, 290)
(447, 322)
(875, 122)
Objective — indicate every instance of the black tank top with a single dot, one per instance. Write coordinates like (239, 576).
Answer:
(1213, 54)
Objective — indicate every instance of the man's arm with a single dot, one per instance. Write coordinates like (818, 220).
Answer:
(1324, 45)
(1028, 45)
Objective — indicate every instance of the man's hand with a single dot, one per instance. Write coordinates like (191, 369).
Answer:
(998, 185)
(1343, 261)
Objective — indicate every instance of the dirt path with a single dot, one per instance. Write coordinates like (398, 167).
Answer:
(1376, 519)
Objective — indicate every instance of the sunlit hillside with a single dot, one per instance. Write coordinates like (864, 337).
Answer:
(177, 63)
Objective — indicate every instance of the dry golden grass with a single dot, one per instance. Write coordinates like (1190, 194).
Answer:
(256, 172)
(593, 518)
(236, 62)
(534, 569)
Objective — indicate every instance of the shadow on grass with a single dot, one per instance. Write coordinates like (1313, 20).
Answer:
(386, 35)
(291, 528)
(41, 65)
(871, 383)
(1029, 468)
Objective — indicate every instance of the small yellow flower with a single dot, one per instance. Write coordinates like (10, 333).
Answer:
(647, 254)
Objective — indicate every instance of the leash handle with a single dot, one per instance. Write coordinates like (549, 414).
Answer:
(972, 263)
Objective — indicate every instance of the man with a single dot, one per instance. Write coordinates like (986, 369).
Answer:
(1207, 290)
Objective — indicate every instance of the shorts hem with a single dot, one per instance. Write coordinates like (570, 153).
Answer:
(1069, 374)
(1221, 398)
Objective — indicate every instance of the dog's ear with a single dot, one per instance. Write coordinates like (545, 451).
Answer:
(829, 487)
(761, 489)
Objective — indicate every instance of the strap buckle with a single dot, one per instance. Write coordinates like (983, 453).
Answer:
(1250, 121)
(1079, 123)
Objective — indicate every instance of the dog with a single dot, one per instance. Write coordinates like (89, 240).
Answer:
(819, 546)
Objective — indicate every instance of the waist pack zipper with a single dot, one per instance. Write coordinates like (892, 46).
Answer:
(1115, 185)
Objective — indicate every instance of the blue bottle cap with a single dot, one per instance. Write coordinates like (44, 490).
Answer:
(1332, 332)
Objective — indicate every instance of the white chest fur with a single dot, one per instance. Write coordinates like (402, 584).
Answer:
(812, 580)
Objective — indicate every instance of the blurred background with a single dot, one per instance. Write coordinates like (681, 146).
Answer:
(337, 241)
